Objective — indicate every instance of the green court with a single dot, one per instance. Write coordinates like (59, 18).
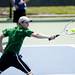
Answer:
(47, 26)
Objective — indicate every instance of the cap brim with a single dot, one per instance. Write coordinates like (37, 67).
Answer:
(30, 21)
(25, 21)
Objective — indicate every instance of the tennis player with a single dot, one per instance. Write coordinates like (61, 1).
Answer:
(10, 55)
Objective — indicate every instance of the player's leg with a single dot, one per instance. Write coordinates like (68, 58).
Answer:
(23, 12)
(15, 16)
(3, 63)
(0, 72)
(19, 64)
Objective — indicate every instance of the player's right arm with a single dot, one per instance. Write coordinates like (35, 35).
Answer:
(1, 47)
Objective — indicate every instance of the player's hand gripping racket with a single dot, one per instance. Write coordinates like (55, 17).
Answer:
(53, 37)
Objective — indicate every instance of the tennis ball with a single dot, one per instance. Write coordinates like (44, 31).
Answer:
(72, 30)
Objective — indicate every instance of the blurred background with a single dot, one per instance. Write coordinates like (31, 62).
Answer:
(49, 17)
(35, 7)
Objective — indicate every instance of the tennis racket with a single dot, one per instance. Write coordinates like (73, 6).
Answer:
(69, 29)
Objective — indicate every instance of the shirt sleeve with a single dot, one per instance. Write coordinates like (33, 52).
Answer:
(29, 33)
(5, 32)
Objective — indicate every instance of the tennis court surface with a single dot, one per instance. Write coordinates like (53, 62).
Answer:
(47, 60)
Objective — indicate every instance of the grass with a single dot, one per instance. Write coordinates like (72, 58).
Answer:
(51, 10)
(44, 10)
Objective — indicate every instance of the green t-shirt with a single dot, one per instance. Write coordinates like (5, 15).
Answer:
(15, 38)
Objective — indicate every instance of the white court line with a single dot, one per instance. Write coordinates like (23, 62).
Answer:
(57, 74)
(70, 45)
(60, 74)
(58, 45)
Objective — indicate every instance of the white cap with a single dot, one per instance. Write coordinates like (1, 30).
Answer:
(24, 19)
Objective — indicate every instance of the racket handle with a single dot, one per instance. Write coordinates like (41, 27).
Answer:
(57, 35)
(53, 37)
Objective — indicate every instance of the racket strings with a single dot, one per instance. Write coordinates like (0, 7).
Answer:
(69, 29)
